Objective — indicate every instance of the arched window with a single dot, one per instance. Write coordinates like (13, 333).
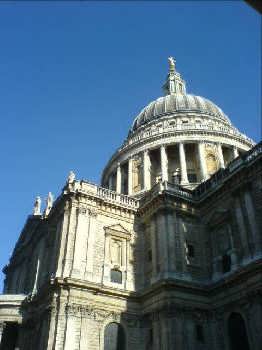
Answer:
(114, 338)
(237, 332)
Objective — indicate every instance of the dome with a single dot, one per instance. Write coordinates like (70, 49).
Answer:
(178, 104)
(178, 138)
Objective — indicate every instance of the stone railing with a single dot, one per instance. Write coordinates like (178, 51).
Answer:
(105, 194)
(154, 130)
(196, 194)
(171, 188)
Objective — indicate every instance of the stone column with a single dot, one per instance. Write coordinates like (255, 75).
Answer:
(182, 157)
(110, 182)
(118, 178)
(220, 155)
(164, 163)
(130, 176)
(202, 161)
(146, 170)
(235, 152)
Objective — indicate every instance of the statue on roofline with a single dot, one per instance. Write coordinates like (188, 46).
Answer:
(71, 177)
(37, 206)
(49, 203)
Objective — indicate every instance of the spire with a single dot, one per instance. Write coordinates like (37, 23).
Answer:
(174, 83)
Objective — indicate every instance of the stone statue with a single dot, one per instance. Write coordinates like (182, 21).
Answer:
(49, 203)
(37, 206)
(172, 63)
(71, 177)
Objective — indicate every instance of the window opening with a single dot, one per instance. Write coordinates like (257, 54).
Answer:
(116, 276)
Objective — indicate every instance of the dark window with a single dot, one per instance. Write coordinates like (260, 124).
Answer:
(150, 339)
(184, 121)
(116, 276)
(226, 263)
(190, 250)
(114, 338)
(149, 256)
(200, 333)
(10, 336)
(237, 332)
(192, 178)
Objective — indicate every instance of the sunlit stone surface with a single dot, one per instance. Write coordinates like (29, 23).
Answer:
(165, 254)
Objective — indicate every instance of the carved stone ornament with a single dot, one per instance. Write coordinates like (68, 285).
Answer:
(92, 212)
(91, 312)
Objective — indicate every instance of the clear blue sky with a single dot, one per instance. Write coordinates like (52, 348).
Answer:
(73, 75)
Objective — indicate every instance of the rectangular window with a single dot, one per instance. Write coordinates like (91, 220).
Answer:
(116, 276)
(190, 250)
(226, 263)
(200, 333)
(149, 255)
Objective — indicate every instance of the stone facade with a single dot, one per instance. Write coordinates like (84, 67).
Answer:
(166, 254)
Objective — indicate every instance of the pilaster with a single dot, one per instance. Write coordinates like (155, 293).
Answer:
(252, 222)
(153, 248)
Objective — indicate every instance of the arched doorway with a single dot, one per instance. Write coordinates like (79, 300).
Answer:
(237, 332)
(114, 337)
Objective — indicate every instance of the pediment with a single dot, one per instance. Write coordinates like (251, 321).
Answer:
(218, 216)
(117, 230)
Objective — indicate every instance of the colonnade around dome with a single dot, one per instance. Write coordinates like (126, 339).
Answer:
(187, 164)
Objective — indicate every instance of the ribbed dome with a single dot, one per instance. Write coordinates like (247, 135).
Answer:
(177, 104)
